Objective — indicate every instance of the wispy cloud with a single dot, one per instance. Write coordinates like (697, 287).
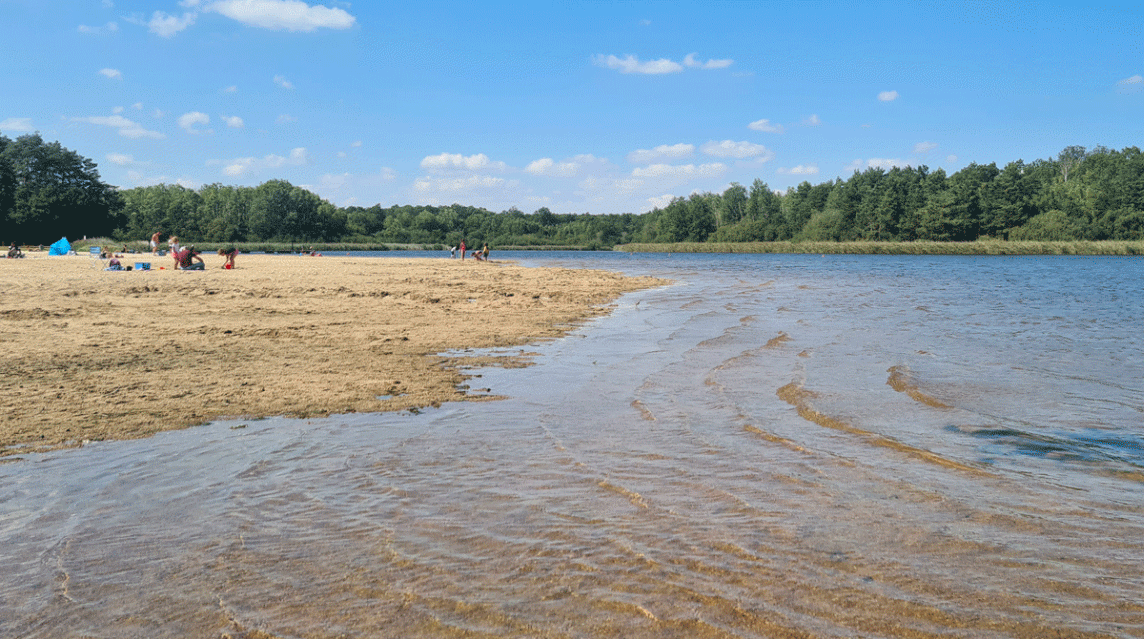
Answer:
(281, 81)
(924, 147)
(239, 167)
(233, 121)
(282, 15)
(662, 66)
(121, 159)
(812, 120)
(802, 169)
(114, 74)
(737, 150)
(661, 152)
(189, 122)
(632, 64)
(680, 171)
(166, 26)
(22, 125)
(1131, 84)
(569, 168)
(690, 61)
(127, 128)
(888, 96)
(445, 161)
(765, 126)
(110, 27)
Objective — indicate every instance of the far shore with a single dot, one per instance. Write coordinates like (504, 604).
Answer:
(91, 354)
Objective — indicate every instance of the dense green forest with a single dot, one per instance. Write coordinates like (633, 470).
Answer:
(1082, 194)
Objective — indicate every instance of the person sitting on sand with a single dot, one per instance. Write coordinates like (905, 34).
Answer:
(14, 251)
(229, 254)
(188, 260)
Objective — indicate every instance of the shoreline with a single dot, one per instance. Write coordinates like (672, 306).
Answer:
(93, 355)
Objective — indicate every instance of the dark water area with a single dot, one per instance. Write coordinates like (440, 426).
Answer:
(771, 446)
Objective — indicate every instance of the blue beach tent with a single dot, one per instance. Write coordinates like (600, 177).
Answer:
(61, 247)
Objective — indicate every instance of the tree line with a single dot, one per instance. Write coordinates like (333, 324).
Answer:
(1098, 194)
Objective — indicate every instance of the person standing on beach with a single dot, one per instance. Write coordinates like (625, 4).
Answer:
(155, 242)
(485, 252)
(462, 250)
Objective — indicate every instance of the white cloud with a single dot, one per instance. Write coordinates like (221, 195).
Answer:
(452, 185)
(1130, 84)
(388, 173)
(243, 166)
(283, 82)
(812, 120)
(476, 162)
(233, 121)
(690, 61)
(685, 171)
(110, 27)
(661, 201)
(737, 150)
(1136, 79)
(231, 89)
(802, 169)
(121, 159)
(950, 159)
(547, 167)
(765, 126)
(885, 163)
(114, 74)
(138, 106)
(661, 152)
(166, 26)
(127, 128)
(117, 109)
(190, 120)
(282, 15)
(631, 64)
(17, 124)
(356, 144)
(888, 96)
(924, 147)
(285, 118)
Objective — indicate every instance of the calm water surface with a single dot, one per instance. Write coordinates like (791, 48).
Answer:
(773, 446)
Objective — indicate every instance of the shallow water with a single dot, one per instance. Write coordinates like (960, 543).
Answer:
(772, 446)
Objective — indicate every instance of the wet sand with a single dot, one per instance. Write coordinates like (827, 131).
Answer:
(93, 355)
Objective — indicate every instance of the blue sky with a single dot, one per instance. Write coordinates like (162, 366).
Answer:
(593, 107)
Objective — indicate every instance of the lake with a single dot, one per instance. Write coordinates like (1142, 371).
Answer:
(771, 446)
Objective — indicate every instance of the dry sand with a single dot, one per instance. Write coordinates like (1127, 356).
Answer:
(90, 354)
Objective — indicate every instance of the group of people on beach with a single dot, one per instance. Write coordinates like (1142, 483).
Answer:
(481, 255)
(188, 258)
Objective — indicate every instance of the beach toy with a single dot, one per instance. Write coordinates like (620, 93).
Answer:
(227, 266)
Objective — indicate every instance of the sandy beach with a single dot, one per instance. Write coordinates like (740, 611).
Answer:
(93, 355)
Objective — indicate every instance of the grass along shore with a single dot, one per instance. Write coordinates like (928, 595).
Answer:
(982, 247)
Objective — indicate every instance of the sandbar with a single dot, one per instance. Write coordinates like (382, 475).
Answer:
(90, 355)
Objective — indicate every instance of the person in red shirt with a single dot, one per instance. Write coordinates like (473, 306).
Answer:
(189, 259)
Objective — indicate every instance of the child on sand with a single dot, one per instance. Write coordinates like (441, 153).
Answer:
(229, 254)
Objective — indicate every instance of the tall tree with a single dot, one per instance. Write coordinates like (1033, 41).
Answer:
(57, 192)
